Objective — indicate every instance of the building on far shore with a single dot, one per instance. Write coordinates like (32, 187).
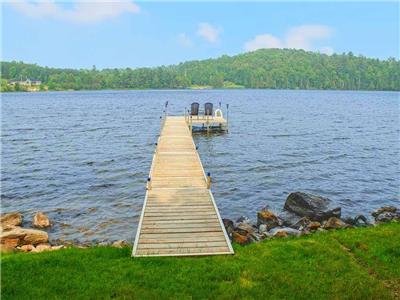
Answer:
(27, 82)
(27, 85)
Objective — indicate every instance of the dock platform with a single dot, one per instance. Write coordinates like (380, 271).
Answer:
(179, 215)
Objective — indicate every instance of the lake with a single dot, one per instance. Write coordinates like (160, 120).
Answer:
(84, 157)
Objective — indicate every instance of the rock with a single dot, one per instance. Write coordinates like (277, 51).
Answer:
(334, 223)
(25, 236)
(40, 220)
(314, 225)
(241, 239)
(314, 207)
(387, 217)
(243, 219)
(120, 244)
(10, 242)
(244, 229)
(262, 228)
(287, 230)
(229, 226)
(386, 214)
(383, 209)
(268, 218)
(280, 234)
(358, 221)
(11, 219)
(42, 247)
(302, 223)
(288, 219)
(53, 248)
(26, 248)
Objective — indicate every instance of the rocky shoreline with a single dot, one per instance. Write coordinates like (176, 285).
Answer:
(302, 214)
(15, 238)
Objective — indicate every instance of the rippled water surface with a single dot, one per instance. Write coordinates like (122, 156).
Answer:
(83, 157)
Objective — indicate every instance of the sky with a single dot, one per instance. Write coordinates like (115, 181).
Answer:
(120, 34)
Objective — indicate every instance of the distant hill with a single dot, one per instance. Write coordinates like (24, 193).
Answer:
(265, 68)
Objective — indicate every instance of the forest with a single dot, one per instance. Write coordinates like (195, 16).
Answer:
(261, 69)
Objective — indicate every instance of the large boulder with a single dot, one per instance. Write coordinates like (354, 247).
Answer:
(40, 220)
(314, 207)
(24, 236)
(11, 219)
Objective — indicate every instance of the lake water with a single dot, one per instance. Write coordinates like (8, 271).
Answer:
(83, 157)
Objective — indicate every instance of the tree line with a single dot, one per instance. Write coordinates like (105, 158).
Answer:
(264, 68)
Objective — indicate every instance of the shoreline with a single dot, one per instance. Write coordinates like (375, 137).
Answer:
(302, 214)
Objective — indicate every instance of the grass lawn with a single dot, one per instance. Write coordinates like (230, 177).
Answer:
(345, 264)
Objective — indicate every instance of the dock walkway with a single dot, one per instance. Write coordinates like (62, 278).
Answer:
(179, 215)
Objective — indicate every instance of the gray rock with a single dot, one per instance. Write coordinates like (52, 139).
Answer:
(314, 207)
(387, 217)
(383, 209)
(262, 228)
(289, 231)
(288, 219)
(358, 221)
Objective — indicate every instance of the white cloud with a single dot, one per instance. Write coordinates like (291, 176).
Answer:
(81, 11)
(263, 41)
(208, 32)
(300, 37)
(184, 40)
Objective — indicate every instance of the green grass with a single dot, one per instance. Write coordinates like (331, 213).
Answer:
(345, 264)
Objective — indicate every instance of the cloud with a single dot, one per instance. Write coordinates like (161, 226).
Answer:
(184, 40)
(208, 32)
(263, 41)
(81, 11)
(300, 37)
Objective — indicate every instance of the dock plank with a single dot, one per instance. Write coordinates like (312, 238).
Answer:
(179, 216)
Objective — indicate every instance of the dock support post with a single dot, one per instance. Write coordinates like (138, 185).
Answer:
(208, 180)
(148, 184)
(227, 117)
(185, 114)
(191, 125)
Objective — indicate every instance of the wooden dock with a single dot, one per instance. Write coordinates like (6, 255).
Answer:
(179, 215)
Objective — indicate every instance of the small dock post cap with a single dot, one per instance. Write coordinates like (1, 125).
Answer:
(148, 178)
(208, 174)
(156, 144)
(197, 147)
